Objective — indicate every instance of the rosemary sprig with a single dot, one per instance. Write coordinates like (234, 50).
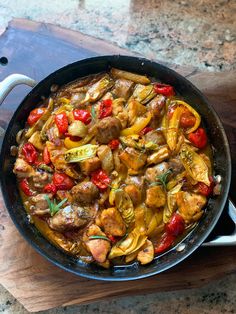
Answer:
(53, 206)
(163, 179)
(94, 237)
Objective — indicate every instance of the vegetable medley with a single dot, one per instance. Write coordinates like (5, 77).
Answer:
(114, 168)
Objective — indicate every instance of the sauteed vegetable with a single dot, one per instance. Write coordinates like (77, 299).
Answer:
(114, 167)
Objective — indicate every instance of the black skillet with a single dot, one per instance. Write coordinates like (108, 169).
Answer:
(216, 135)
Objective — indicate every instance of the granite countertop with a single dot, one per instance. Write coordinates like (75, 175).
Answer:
(201, 33)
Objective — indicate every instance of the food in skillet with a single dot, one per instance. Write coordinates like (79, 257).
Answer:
(114, 168)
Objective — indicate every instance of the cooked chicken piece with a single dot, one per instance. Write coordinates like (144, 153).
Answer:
(134, 193)
(108, 129)
(40, 179)
(176, 165)
(99, 248)
(112, 222)
(146, 255)
(69, 218)
(137, 180)
(156, 105)
(105, 155)
(157, 157)
(133, 158)
(40, 205)
(155, 137)
(152, 172)
(123, 88)
(155, 197)
(89, 165)
(22, 169)
(119, 111)
(85, 193)
(190, 205)
(135, 109)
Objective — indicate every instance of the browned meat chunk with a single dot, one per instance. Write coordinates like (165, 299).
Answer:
(156, 106)
(22, 169)
(89, 165)
(68, 218)
(132, 158)
(152, 172)
(112, 222)
(155, 197)
(123, 88)
(105, 155)
(155, 137)
(99, 248)
(108, 129)
(85, 193)
(176, 165)
(134, 193)
(40, 179)
(190, 205)
(40, 205)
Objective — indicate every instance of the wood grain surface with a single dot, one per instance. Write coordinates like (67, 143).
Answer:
(36, 49)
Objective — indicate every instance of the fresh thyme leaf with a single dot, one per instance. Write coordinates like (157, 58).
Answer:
(163, 178)
(93, 113)
(53, 206)
(94, 237)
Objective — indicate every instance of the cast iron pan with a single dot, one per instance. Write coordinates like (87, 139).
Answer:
(216, 134)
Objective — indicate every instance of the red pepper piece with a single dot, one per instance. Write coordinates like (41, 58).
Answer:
(82, 115)
(34, 115)
(100, 179)
(198, 138)
(203, 189)
(176, 225)
(50, 188)
(46, 156)
(105, 108)
(62, 181)
(166, 241)
(187, 120)
(24, 185)
(114, 144)
(112, 238)
(62, 122)
(146, 130)
(30, 153)
(164, 89)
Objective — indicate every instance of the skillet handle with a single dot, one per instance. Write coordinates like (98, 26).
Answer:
(229, 240)
(11, 81)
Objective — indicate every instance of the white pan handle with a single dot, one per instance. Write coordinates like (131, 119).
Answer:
(228, 240)
(13, 80)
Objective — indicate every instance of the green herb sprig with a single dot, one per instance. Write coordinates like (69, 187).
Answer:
(53, 206)
(94, 237)
(163, 179)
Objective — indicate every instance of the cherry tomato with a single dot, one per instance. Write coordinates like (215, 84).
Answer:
(105, 108)
(187, 120)
(46, 156)
(24, 185)
(62, 122)
(166, 241)
(62, 181)
(50, 188)
(145, 130)
(198, 138)
(176, 225)
(164, 89)
(100, 179)
(203, 189)
(35, 114)
(30, 153)
(114, 144)
(82, 115)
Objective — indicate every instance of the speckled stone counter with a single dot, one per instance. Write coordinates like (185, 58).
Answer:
(201, 33)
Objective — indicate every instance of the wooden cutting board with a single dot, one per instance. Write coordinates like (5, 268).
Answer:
(36, 49)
